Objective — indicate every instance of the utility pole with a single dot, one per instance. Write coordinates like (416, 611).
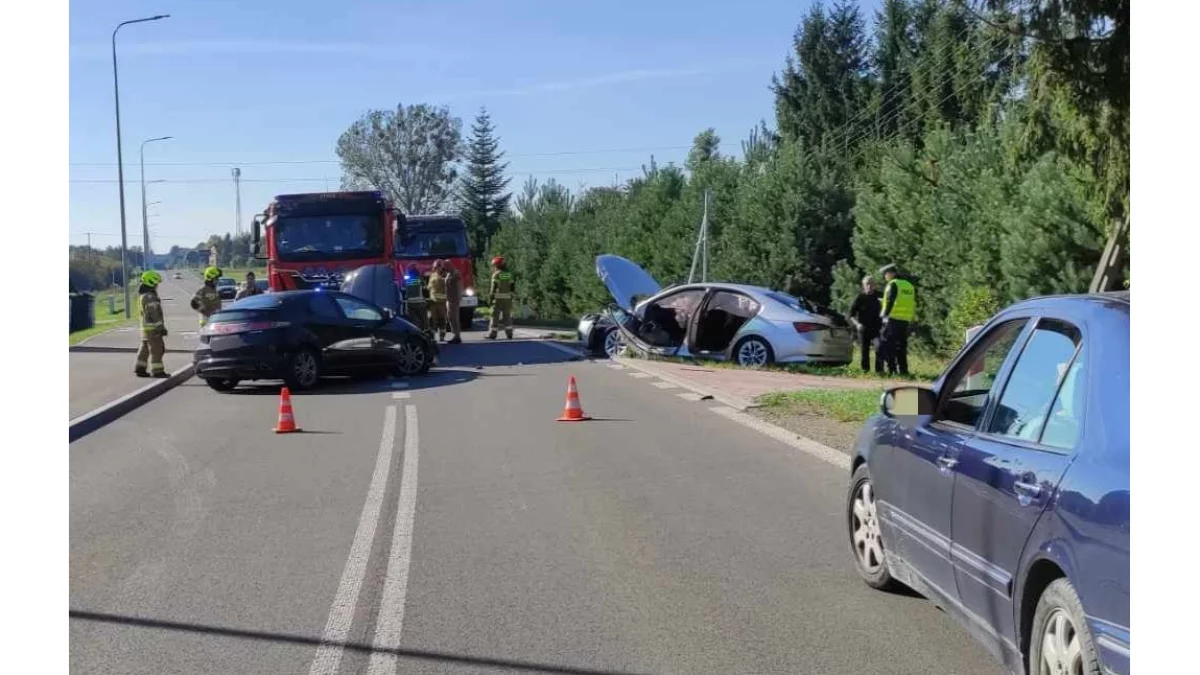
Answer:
(237, 189)
(701, 255)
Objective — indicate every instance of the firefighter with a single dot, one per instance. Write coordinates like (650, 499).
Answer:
(154, 329)
(502, 299)
(206, 300)
(248, 288)
(899, 308)
(414, 299)
(437, 301)
(453, 301)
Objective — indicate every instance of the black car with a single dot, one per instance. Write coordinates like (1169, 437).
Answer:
(299, 336)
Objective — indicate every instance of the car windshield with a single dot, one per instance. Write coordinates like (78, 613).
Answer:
(443, 244)
(225, 281)
(340, 237)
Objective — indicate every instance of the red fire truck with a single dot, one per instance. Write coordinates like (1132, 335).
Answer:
(420, 240)
(314, 239)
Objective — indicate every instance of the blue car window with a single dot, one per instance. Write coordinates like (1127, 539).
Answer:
(1062, 424)
(1032, 388)
(358, 310)
(972, 381)
(323, 306)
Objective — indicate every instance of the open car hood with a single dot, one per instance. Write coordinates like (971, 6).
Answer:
(375, 284)
(625, 280)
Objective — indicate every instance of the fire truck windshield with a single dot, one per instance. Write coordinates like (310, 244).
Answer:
(334, 237)
(444, 244)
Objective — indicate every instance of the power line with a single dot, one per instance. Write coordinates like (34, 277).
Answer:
(302, 162)
(322, 180)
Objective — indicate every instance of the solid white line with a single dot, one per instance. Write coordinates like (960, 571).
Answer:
(690, 396)
(400, 395)
(805, 445)
(390, 620)
(341, 614)
(663, 385)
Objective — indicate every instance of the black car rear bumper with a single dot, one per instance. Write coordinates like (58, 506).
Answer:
(263, 363)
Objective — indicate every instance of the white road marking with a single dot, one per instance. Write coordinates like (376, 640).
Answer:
(616, 366)
(341, 614)
(396, 384)
(690, 396)
(640, 375)
(805, 445)
(390, 620)
(663, 385)
(400, 395)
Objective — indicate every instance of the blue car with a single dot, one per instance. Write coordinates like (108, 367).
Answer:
(1001, 493)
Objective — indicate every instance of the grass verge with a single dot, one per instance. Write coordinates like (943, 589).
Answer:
(105, 320)
(843, 405)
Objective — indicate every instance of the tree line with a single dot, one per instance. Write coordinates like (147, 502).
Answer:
(983, 147)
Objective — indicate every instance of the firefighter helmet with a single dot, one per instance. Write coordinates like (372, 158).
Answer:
(212, 273)
(498, 261)
(151, 278)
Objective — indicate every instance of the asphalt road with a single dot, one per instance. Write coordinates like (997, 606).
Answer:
(462, 530)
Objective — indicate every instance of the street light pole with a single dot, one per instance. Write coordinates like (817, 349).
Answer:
(120, 166)
(145, 227)
(237, 189)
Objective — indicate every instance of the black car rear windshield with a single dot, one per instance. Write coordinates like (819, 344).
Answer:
(261, 301)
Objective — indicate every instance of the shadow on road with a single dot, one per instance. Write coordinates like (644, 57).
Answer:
(402, 653)
(119, 350)
(335, 386)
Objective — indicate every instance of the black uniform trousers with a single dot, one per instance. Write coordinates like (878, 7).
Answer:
(865, 337)
(893, 347)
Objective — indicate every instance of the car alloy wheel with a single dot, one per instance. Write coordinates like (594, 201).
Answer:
(613, 345)
(304, 368)
(864, 526)
(1062, 650)
(410, 358)
(753, 353)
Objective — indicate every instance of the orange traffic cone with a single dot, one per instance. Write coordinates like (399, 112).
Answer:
(287, 421)
(572, 411)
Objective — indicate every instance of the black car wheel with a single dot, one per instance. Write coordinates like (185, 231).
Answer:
(303, 370)
(413, 358)
(866, 539)
(1060, 642)
(221, 383)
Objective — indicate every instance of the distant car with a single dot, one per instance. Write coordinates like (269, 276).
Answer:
(227, 288)
(177, 275)
(1002, 492)
(748, 325)
(299, 336)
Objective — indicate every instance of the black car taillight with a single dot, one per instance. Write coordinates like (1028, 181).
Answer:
(232, 328)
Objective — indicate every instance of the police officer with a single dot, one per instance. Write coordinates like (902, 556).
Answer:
(437, 300)
(206, 300)
(502, 299)
(414, 299)
(898, 311)
(154, 329)
(865, 315)
(248, 288)
(453, 301)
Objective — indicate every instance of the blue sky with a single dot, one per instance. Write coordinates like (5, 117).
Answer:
(268, 85)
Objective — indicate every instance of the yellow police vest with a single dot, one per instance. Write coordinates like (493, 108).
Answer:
(905, 306)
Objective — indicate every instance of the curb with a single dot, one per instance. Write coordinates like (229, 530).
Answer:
(87, 423)
(734, 402)
(85, 349)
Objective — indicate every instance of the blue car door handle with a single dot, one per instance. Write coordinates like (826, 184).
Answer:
(1027, 492)
(946, 463)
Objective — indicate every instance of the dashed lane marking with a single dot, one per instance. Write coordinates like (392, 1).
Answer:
(663, 385)
(400, 395)
(640, 375)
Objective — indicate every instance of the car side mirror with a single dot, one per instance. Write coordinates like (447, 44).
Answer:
(908, 404)
(388, 315)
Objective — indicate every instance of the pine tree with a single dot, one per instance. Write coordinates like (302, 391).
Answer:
(483, 198)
